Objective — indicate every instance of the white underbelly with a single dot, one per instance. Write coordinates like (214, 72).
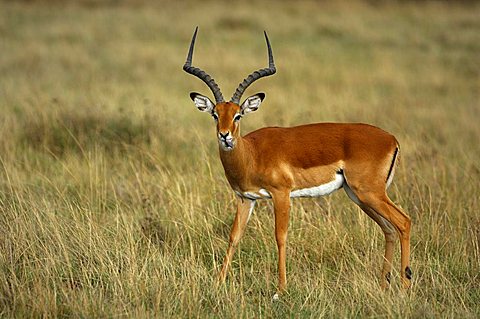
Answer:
(315, 191)
(319, 190)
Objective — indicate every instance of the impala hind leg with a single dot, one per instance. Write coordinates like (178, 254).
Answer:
(406, 271)
(244, 210)
(383, 206)
(390, 238)
(389, 232)
(281, 206)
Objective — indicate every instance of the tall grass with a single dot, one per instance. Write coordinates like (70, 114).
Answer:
(112, 198)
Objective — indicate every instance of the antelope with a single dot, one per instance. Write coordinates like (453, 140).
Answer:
(280, 163)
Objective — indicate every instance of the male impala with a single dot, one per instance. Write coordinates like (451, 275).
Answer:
(303, 161)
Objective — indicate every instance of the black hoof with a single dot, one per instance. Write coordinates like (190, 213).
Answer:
(408, 273)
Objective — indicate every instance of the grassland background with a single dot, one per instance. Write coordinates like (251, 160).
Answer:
(113, 202)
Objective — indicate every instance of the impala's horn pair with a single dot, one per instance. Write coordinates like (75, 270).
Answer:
(202, 75)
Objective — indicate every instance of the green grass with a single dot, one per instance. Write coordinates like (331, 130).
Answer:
(113, 201)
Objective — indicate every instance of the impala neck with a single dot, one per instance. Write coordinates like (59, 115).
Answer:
(235, 162)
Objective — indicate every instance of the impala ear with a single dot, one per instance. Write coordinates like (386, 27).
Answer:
(252, 103)
(202, 102)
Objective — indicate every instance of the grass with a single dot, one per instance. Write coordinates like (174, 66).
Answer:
(113, 201)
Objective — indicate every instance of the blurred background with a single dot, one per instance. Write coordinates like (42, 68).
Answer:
(113, 200)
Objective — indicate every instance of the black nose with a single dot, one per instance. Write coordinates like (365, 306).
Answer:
(223, 136)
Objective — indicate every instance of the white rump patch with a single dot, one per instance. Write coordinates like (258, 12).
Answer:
(390, 178)
(320, 190)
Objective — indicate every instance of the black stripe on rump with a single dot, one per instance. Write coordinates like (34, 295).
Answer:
(393, 163)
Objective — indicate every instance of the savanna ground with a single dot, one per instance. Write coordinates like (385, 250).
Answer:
(113, 202)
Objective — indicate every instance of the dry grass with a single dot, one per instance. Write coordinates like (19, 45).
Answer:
(112, 198)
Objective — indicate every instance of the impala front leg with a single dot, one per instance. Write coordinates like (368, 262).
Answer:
(281, 205)
(244, 210)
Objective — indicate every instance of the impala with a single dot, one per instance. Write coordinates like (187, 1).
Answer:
(303, 161)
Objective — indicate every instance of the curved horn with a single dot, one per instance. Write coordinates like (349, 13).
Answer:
(255, 75)
(202, 75)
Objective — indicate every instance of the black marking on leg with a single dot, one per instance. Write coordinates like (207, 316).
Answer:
(387, 277)
(408, 273)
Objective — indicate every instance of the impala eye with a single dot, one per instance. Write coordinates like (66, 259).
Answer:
(215, 117)
(237, 117)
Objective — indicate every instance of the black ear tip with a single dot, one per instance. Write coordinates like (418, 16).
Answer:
(193, 95)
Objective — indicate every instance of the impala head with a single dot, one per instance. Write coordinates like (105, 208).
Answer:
(227, 115)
